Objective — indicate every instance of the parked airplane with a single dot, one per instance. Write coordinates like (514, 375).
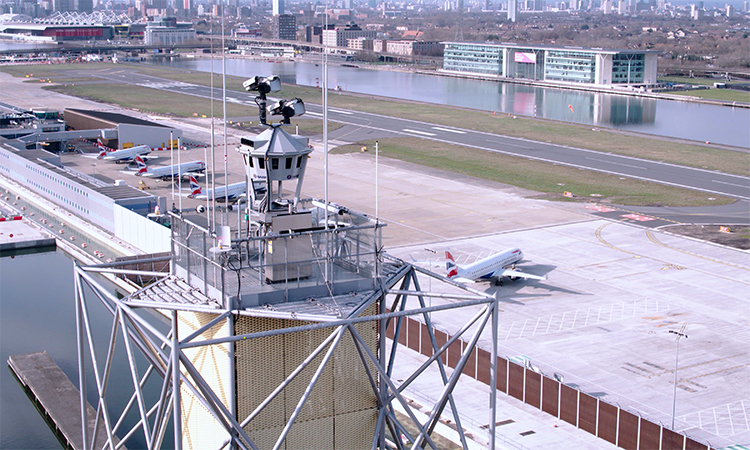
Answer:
(169, 172)
(492, 268)
(123, 154)
(232, 192)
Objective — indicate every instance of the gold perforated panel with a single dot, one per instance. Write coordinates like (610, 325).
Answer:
(342, 397)
(260, 369)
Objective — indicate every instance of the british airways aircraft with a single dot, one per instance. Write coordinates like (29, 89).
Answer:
(231, 192)
(166, 172)
(492, 268)
(123, 154)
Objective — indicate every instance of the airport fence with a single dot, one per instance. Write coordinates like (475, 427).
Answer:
(612, 423)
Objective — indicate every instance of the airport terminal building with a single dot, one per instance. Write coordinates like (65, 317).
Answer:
(567, 65)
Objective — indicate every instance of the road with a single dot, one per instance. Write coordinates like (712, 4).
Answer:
(659, 172)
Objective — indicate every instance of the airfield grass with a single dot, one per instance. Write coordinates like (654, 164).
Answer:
(533, 175)
(729, 95)
(552, 180)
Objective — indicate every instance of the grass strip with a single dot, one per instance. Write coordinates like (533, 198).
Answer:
(550, 179)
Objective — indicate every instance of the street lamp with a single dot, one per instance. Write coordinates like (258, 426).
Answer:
(676, 357)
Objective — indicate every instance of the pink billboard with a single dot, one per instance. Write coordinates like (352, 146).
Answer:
(529, 58)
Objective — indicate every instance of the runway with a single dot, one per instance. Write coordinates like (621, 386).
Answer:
(659, 172)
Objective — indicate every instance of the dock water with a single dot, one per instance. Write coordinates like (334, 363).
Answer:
(57, 397)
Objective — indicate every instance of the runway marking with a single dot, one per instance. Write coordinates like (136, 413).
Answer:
(570, 320)
(656, 241)
(449, 130)
(418, 132)
(727, 420)
(338, 111)
(616, 163)
(600, 208)
(313, 113)
(638, 217)
(731, 184)
(601, 239)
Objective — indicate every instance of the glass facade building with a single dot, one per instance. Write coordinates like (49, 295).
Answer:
(485, 59)
(570, 66)
(628, 68)
(555, 64)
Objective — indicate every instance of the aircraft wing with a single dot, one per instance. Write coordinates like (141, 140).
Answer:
(510, 273)
(463, 280)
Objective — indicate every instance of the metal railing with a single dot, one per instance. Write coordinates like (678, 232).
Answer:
(319, 256)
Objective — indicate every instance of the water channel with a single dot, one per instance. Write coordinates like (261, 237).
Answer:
(687, 120)
(37, 312)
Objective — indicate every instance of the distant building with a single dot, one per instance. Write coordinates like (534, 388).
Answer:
(284, 27)
(557, 64)
(278, 7)
(409, 48)
(512, 7)
(362, 44)
(166, 31)
(338, 37)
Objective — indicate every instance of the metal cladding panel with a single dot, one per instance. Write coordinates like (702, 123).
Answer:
(441, 338)
(265, 437)
(569, 404)
(454, 353)
(628, 431)
(199, 428)
(471, 364)
(260, 369)
(551, 397)
(693, 445)
(355, 430)
(671, 440)
(311, 434)
(484, 366)
(608, 422)
(413, 331)
(587, 412)
(297, 346)
(650, 435)
(343, 387)
(352, 390)
(515, 380)
(533, 388)
(502, 374)
(425, 346)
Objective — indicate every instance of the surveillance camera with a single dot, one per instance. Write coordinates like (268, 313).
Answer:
(251, 84)
(263, 85)
(200, 209)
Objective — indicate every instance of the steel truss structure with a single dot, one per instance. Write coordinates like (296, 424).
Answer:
(164, 350)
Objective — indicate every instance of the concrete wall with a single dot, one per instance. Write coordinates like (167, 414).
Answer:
(141, 232)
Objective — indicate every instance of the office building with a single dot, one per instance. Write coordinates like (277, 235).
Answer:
(556, 64)
(284, 27)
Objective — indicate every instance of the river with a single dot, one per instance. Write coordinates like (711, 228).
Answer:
(687, 120)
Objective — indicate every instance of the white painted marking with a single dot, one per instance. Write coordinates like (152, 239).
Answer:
(418, 132)
(731, 184)
(617, 164)
(313, 113)
(448, 130)
(340, 112)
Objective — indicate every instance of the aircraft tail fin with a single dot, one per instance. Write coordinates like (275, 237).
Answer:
(103, 147)
(142, 167)
(450, 265)
(194, 187)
